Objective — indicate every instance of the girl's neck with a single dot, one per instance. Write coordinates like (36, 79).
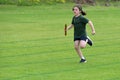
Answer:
(77, 15)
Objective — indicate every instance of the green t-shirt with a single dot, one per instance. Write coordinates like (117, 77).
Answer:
(79, 26)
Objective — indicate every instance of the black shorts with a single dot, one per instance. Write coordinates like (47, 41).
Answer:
(81, 38)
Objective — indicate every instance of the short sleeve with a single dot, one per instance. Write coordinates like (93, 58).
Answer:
(85, 20)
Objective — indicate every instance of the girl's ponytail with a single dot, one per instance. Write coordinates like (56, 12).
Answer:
(83, 13)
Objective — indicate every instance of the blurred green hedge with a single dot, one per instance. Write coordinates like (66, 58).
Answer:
(39, 2)
(32, 2)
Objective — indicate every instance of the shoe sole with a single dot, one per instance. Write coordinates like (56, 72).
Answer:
(83, 62)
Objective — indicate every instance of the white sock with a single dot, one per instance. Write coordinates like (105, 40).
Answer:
(83, 57)
(86, 40)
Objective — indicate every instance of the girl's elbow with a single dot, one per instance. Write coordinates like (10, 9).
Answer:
(89, 22)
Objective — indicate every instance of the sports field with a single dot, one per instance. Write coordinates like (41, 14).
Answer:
(33, 45)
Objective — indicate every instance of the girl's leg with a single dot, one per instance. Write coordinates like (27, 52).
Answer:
(77, 48)
(78, 45)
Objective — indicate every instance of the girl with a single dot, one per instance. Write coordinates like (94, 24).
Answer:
(80, 36)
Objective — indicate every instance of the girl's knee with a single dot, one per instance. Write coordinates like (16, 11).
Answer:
(82, 46)
(76, 47)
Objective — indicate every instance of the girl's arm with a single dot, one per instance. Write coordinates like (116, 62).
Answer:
(69, 27)
(92, 27)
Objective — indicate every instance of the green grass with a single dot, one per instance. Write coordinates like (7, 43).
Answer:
(33, 45)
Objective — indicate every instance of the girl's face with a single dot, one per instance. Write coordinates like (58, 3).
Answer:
(76, 11)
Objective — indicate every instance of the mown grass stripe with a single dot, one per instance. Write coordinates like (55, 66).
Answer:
(37, 62)
(63, 70)
(54, 60)
(41, 39)
(36, 53)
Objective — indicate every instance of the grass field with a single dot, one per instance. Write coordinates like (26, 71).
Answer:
(33, 45)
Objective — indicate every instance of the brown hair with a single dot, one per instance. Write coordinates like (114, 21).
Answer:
(80, 9)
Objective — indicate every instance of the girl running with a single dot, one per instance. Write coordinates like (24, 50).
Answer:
(80, 36)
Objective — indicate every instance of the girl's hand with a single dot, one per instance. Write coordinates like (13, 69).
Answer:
(93, 32)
